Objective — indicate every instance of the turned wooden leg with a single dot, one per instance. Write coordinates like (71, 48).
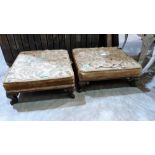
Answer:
(82, 85)
(133, 82)
(13, 97)
(70, 92)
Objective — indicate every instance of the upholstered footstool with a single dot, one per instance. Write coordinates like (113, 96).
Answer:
(39, 70)
(95, 64)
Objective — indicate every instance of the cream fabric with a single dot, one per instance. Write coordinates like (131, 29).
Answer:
(40, 65)
(103, 59)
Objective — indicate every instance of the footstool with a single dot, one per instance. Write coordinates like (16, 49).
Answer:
(39, 70)
(93, 64)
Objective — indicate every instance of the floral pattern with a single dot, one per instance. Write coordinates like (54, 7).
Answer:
(100, 59)
(40, 65)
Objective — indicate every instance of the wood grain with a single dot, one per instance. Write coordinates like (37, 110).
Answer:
(61, 41)
(38, 41)
(25, 42)
(44, 41)
(50, 41)
(67, 42)
(83, 40)
(12, 44)
(6, 49)
(18, 41)
(31, 41)
(88, 40)
(55, 41)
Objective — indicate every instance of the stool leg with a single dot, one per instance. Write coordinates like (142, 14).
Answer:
(133, 81)
(81, 85)
(70, 92)
(13, 97)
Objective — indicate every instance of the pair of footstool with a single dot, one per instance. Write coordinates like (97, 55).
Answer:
(52, 69)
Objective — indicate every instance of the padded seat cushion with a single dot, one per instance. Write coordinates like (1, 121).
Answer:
(40, 70)
(104, 63)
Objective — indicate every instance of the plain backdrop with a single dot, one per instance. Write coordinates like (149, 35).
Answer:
(77, 16)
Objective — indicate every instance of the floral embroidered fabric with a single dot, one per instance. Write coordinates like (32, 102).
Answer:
(40, 65)
(103, 59)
